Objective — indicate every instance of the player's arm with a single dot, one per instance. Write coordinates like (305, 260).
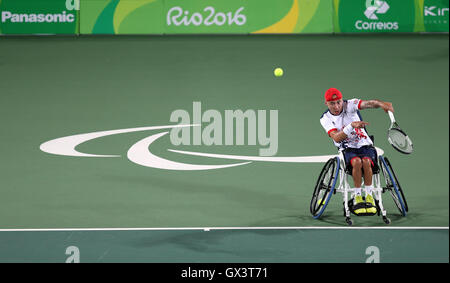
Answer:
(375, 103)
(339, 136)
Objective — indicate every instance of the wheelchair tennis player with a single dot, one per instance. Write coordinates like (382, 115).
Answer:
(344, 124)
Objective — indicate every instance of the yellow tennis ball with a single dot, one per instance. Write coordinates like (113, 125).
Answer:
(278, 72)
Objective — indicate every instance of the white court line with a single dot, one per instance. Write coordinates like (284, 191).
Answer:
(223, 228)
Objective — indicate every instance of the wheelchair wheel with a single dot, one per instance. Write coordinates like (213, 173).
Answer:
(393, 186)
(398, 184)
(324, 187)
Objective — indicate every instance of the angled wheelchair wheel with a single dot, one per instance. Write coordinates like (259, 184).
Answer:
(325, 186)
(392, 185)
(398, 184)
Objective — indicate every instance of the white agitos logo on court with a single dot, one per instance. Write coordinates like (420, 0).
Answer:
(141, 152)
(379, 7)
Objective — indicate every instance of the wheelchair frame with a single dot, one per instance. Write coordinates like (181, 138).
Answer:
(330, 187)
(346, 190)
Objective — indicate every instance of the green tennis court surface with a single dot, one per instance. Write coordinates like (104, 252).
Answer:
(54, 87)
(238, 245)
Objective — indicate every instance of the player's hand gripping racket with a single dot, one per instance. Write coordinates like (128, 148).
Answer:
(398, 138)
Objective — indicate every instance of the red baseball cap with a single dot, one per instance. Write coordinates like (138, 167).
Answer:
(333, 94)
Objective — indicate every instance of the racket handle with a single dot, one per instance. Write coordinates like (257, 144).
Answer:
(391, 116)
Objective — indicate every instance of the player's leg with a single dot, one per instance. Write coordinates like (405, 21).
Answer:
(368, 187)
(356, 163)
(357, 172)
(369, 155)
(367, 164)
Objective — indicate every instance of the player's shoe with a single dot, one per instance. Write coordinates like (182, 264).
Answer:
(359, 206)
(370, 208)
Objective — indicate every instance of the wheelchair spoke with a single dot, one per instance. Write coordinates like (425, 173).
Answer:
(325, 187)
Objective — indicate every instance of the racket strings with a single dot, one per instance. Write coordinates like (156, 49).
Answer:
(400, 140)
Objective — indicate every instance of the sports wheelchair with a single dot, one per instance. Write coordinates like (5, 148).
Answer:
(334, 178)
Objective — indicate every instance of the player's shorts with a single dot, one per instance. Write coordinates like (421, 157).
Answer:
(366, 151)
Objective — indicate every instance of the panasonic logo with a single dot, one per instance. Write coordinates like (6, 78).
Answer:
(63, 17)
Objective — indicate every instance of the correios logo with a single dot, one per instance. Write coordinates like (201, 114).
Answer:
(210, 127)
(379, 7)
(374, 8)
(209, 17)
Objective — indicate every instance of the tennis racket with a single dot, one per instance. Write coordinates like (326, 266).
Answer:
(398, 138)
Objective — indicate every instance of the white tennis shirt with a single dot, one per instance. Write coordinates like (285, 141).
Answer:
(350, 113)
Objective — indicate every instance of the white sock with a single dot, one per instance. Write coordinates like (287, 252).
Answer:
(368, 189)
(358, 191)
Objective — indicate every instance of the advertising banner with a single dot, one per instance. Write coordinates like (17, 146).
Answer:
(39, 17)
(369, 16)
(122, 17)
(222, 16)
(296, 16)
(434, 14)
(208, 16)
(205, 16)
(248, 16)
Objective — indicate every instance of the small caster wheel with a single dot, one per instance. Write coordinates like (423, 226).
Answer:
(386, 220)
(349, 221)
